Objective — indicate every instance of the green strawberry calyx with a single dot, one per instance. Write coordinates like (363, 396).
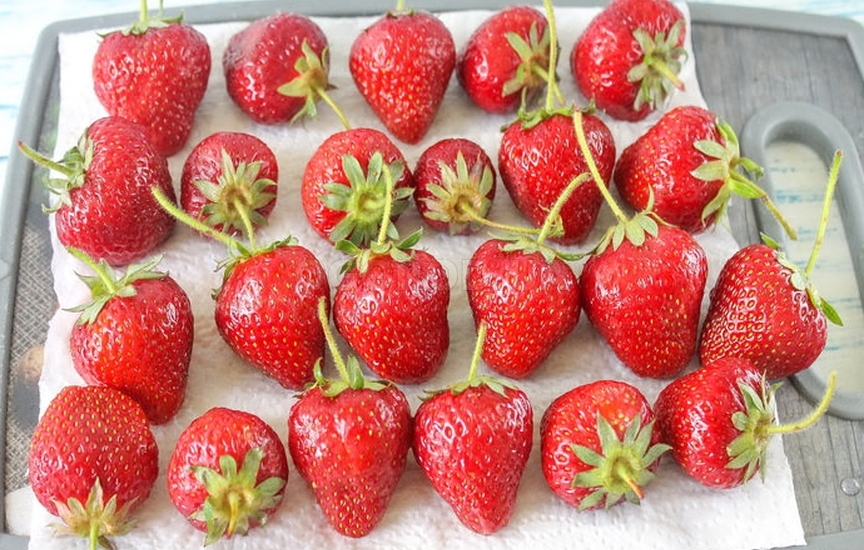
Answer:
(365, 199)
(235, 500)
(312, 83)
(350, 373)
(622, 467)
(95, 519)
(801, 279)
(756, 424)
(105, 285)
(532, 73)
(657, 73)
(731, 168)
(475, 380)
(145, 22)
(72, 167)
(236, 196)
(461, 199)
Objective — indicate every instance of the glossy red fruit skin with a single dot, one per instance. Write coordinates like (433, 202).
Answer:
(537, 164)
(662, 160)
(694, 416)
(156, 79)
(325, 166)
(489, 61)
(204, 163)
(571, 419)
(394, 316)
(221, 431)
(140, 345)
(88, 433)
(261, 57)
(756, 313)
(528, 304)
(348, 457)
(401, 65)
(267, 312)
(428, 172)
(473, 447)
(113, 216)
(607, 50)
(645, 301)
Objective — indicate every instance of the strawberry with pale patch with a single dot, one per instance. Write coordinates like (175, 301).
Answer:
(352, 462)
(627, 59)
(103, 202)
(93, 462)
(401, 65)
(227, 473)
(154, 73)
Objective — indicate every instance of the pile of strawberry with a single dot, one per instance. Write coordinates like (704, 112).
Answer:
(642, 285)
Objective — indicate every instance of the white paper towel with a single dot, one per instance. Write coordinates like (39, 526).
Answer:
(677, 512)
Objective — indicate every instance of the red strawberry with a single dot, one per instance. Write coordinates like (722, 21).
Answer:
(539, 157)
(644, 298)
(455, 186)
(93, 461)
(228, 178)
(351, 461)
(766, 309)
(598, 445)
(104, 205)
(391, 308)
(343, 188)
(506, 60)
(642, 288)
(265, 311)
(627, 60)
(688, 163)
(402, 65)
(472, 441)
(277, 68)
(135, 335)
(529, 298)
(227, 473)
(154, 73)
(719, 420)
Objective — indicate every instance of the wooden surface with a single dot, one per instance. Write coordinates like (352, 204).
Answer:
(772, 66)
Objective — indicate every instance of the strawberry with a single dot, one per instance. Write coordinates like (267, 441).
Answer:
(135, 335)
(352, 462)
(266, 307)
(343, 188)
(627, 60)
(537, 159)
(93, 461)
(506, 60)
(391, 308)
(720, 418)
(277, 68)
(689, 163)
(454, 186)
(766, 309)
(104, 205)
(472, 440)
(598, 445)
(230, 178)
(402, 64)
(154, 73)
(642, 288)
(227, 473)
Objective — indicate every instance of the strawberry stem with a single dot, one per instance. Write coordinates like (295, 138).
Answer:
(191, 221)
(551, 85)
(324, 319)
(388, 205)
(472, 213)
(592, 167)
(815, 415)
(826, 207)
(322, 93)
(248, 227)
(400, 5)
(554, 214)
(99, 269)
(38, 158)
(478, 349)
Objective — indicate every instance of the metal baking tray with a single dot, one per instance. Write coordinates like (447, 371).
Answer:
(749, 61)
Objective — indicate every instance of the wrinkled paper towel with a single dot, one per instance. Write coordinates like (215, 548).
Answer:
(677, 513)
